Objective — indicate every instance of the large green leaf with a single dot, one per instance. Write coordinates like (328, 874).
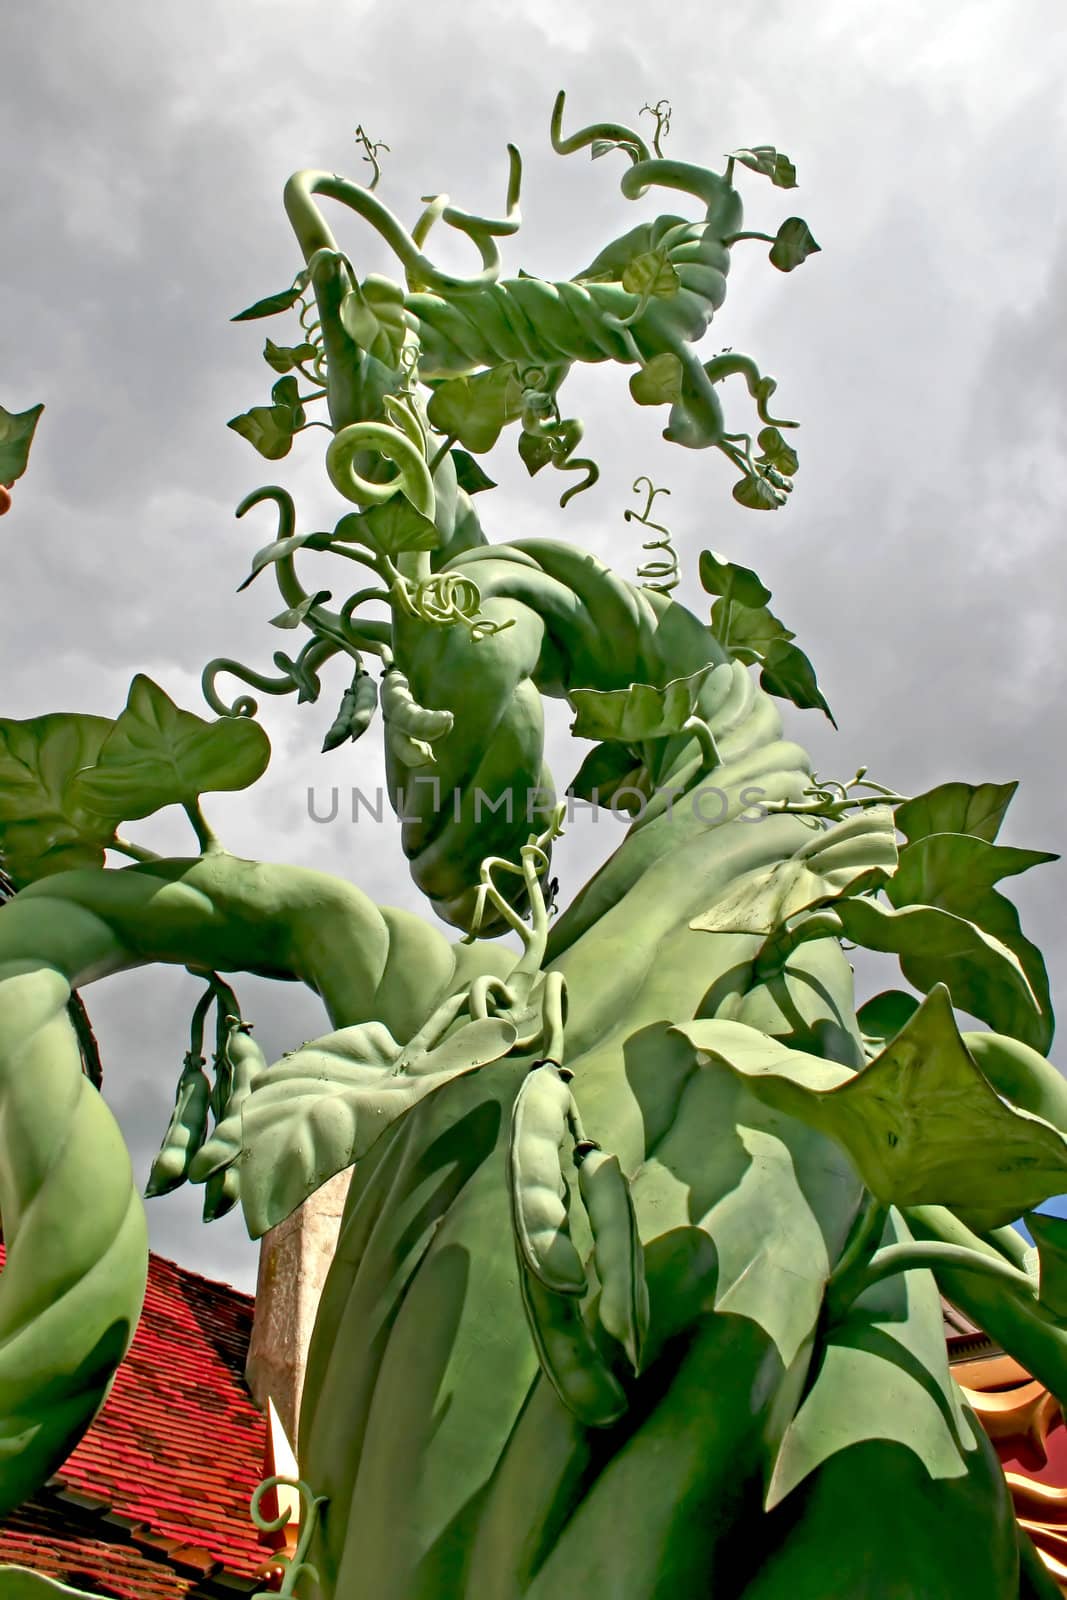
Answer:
(858, 851)
(16, 436)
(395, 527)
(651, 274)
(322, 1107)
(934, 946)
(882, 1375)
(976, 808)
(640, 712)
(787, 673)
(922, 1123)
(475, 409)
(44, 826)
(957, 871)
(735, 584)
(882, 1017)
(156, 755)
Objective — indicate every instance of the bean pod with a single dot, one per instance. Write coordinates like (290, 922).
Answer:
(536, 1184)
(617, 1250)
(401, 709)
(185, 1132)
(568, 1354)
(245, 1061)
(358, 705)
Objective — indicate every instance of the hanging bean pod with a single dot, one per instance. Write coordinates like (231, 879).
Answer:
(185, 1131)
(617, 1251)
(536, 1184)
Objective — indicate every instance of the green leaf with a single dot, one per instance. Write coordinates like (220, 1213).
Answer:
(156, 755)
(788, 673)
(957, 871)
(921, 1122)
(792, 245)
(474, 410)
(294, 615)
(44, 826)
(768, 161)
(986, 978)
(283, 357)
(269, 429)
(976, 808)
(735, 584)
(280, 548)
(395, 527)
(536, 450)
(640, 712)
(747, 631)
(606, 769)
(757, 493)
(469, 474)
(882, 1017)
(372, 314)
(658, 382)
(776, 453)
(16, 436)
(1050, 1236)
(322, 1107)
(275, 302)
(651, 274)
(836, 860)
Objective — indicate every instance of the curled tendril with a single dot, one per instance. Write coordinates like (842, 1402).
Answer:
(596, 133)
(445, 599)
(541, 417)
(438, 208)
(370, 153)
(314, 654)
(828, 799)
(297, 1565)
(412, 479)
(662, 113)
(661, 576)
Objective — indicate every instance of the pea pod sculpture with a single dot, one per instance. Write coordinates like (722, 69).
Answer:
(697, 1349)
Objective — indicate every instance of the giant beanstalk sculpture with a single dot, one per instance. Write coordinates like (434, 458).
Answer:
(637, 1283)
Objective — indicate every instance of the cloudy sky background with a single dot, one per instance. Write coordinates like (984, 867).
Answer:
(921, 561)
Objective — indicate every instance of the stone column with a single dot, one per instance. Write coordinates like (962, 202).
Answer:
(294, 1259)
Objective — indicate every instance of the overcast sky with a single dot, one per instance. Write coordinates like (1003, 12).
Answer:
(921, 561)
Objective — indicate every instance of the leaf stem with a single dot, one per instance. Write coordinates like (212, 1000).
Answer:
(205, 836)
(908, 1257)
(136, 852)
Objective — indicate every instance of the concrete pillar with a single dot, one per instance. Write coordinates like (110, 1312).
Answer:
(294, 1259)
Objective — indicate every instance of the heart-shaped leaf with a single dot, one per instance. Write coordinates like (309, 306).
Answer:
(921, 1122)
(834, 861)
(396, 526)
(793, 244)
(156, 755)
(283, 357)
(16, 436)
(536, 450)
(739, 585)
(651, 275)
(640, 712)
(976, 808)
(275, 302)
(475, 409)
(321, 1108)
(44, 826)
(372, 314)
(756, 493)
(269, 429)
(789, 674)
(658, 382)
(776, 453)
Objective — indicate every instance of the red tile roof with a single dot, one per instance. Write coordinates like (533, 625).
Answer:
(154, 1500)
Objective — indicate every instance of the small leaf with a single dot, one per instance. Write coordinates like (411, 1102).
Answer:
(793, 244)
(283, 358)
(771, 163)
(658, 382)
(606, 769)
(536, 450)
(469, 474)
(735, 584)
(294, 615)
(1050, 1236)
(835, 861)
(776, 453)
(756, 493)
(640, 712)
(44, 826)
(275, 302)
(651, 274)
(156, 755)
(372, 314)
(976, 808)
(395, 527)
(475, 409)
(789, 674)
(16, 437)
(269, 429)
(280, 548)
